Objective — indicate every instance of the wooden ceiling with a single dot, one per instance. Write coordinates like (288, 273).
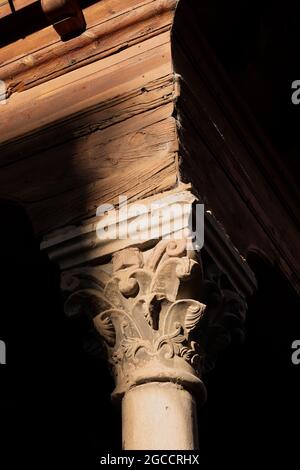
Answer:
(8, 7)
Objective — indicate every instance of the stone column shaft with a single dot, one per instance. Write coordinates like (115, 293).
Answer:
(159, 416)
(162, 316)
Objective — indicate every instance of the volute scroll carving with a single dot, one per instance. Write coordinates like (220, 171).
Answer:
(145, 315)
(158, 318)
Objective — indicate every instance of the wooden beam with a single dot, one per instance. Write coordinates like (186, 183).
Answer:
(66, 17)
(112, 25)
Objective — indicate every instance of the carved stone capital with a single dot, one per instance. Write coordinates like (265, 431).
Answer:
(147, 312)
(164, 314)
(161, 316)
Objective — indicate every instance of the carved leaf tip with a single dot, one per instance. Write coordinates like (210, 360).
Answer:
(193, 316)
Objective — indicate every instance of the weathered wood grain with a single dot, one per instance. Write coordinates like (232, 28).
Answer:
(93, 119)
(83, 88)
(112, 25)
(90, 135)
(224, 157)
(135, 181)
(104, 115)
(92, 158)
(258, 151)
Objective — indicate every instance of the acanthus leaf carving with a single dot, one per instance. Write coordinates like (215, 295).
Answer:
(140, 316)
(153, 325)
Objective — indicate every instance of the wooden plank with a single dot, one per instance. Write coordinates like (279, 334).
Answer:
(232, 158)
(259, 153)
(5, 9)
(91, 158)
(95, 14)
(232, 211)
(250, 199)
(221, 156)
(112, 25)
(91, 85)
(78, 204)
(98, 118)
(87, 136)
(19, 4)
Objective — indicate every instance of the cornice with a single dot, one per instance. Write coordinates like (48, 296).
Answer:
(78, 246)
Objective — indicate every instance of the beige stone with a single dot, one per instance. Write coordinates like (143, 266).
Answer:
(159, 416)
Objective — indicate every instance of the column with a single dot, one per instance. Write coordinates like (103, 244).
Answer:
(163, 315)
